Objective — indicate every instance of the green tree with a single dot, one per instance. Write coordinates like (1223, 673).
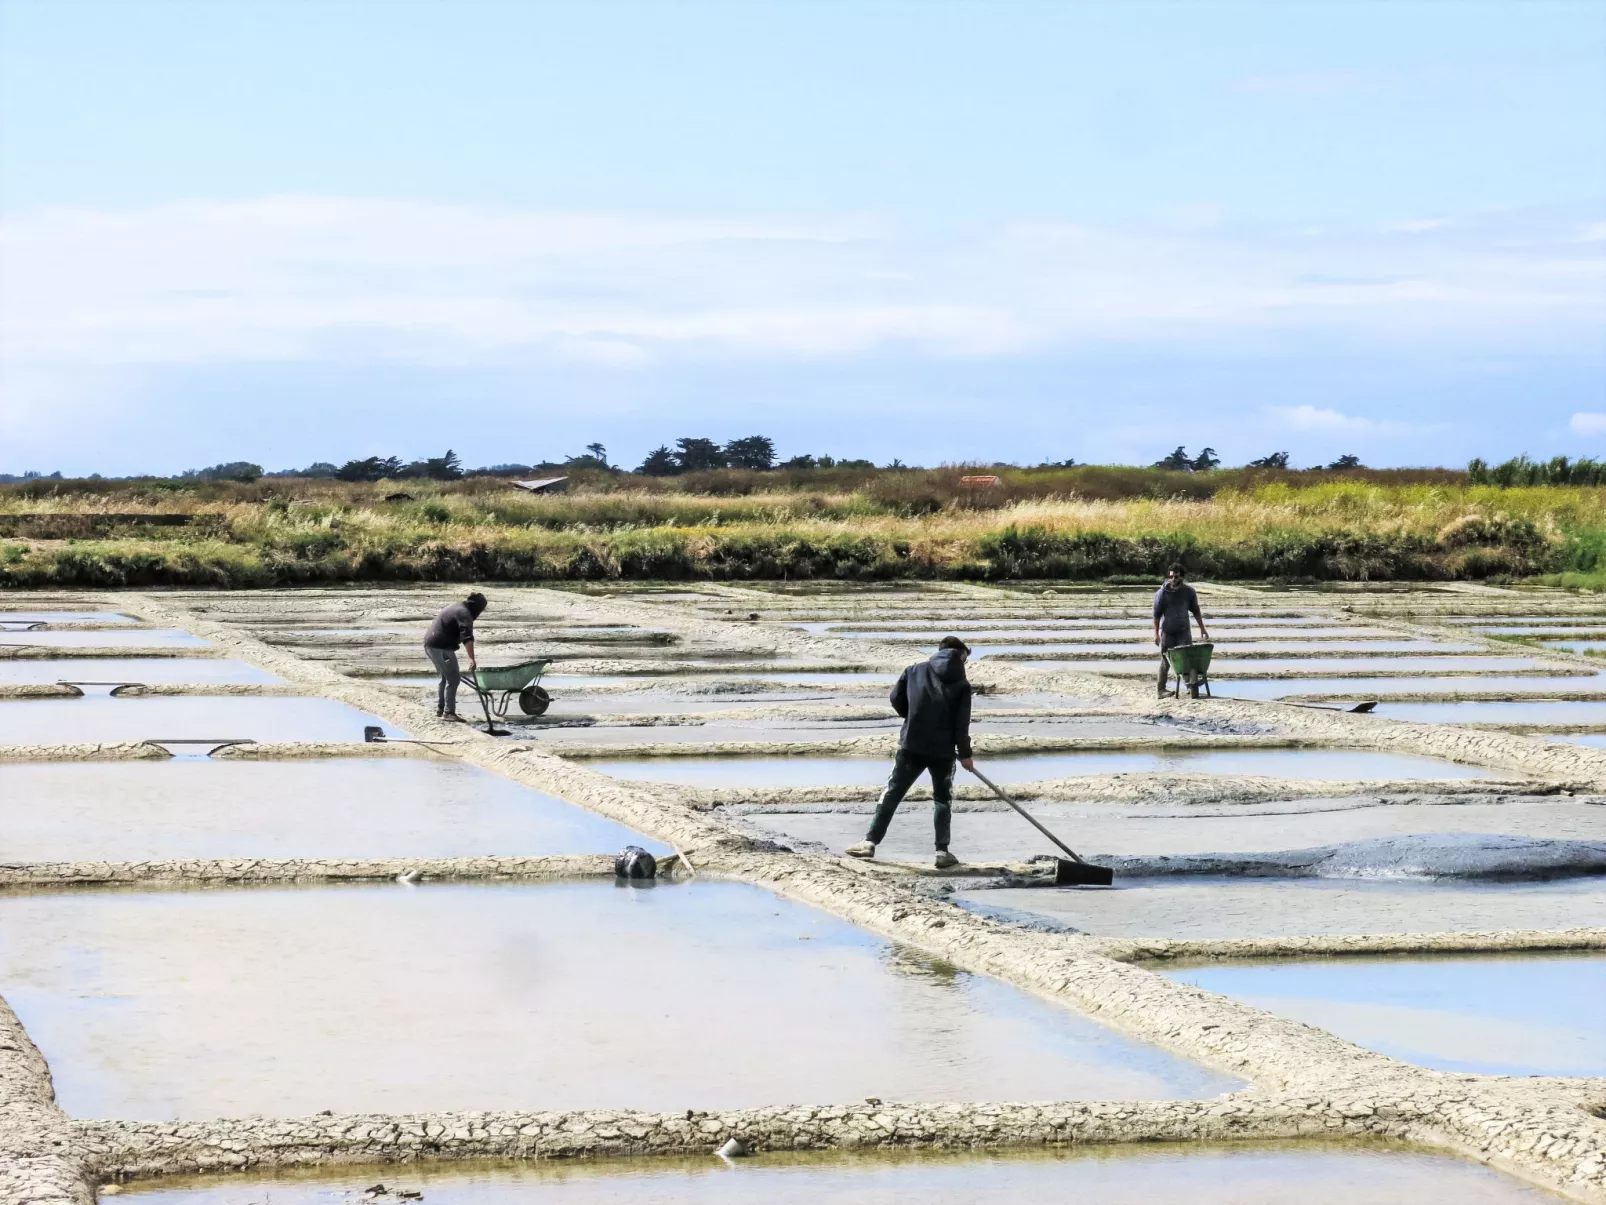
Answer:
(660, 462)
(1347, 461)
(753, 452)
(1177, 460)
(693, 455)
(1205, 461)
(1277, 460)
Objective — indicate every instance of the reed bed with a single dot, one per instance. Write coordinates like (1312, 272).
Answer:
(286, 532)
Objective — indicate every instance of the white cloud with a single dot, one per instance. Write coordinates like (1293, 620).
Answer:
(1587, 422)
(1318, 418)
(307, 278)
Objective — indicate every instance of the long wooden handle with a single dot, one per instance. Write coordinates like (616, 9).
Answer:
(1027, 816)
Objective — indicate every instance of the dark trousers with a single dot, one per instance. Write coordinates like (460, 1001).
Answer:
(907, 767)
(1171, 640)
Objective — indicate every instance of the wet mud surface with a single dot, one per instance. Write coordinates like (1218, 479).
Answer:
(997, 834)
(1232, 909)
(822, 771)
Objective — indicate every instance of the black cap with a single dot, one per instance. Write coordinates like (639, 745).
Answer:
(953, 642)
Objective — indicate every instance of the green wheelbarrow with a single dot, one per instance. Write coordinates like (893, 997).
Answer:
(497, 687)
(1191, 664)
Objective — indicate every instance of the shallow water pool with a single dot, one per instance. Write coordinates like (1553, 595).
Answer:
(1226, 663)
(1313, 1174)
(10, 617)
(1366, 688)
(104, 719)
(1323, 764)
(153, 671)
(386, 998)
(1534, 1014)
(339, 808)
(143, 638)
(1515, 711)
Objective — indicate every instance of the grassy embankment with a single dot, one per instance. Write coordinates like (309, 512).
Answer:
(1086, 523)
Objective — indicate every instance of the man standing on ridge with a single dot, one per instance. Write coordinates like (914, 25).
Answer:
(453, 628)
(933, 697)
(1174, 602)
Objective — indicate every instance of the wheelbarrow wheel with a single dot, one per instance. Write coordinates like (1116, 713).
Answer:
(534, 700)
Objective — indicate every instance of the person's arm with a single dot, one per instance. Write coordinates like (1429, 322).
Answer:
(468, 647)
(466, 631)
(962, 730)
(1193, 604)
(1159, 609)
(900, 695)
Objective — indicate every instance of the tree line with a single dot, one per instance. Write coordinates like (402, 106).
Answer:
(757, 452)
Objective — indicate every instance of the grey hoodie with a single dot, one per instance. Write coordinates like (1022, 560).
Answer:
(933, 697)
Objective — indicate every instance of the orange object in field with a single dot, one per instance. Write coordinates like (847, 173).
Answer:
(980, 481)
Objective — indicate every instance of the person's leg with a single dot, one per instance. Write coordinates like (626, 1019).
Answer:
(906, 767)
(1170, 640)
(942, 801)
(438, 658)
(451, 675)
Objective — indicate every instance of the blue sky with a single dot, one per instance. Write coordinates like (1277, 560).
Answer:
(314, 230)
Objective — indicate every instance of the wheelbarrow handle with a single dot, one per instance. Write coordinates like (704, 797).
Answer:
(1027, 816)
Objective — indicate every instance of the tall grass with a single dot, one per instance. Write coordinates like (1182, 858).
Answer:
(1353, 526)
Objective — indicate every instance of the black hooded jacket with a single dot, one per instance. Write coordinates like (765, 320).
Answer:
(933, 697)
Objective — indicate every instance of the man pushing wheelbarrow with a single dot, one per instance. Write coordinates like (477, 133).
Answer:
(1174, 603)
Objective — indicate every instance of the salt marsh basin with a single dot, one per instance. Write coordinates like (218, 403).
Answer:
(150, 671)
(1317, 764)
(207, 1003)
(327, 808)
(1229, 909)
(1315, 1174)
(1500, 1015)
(105, 720)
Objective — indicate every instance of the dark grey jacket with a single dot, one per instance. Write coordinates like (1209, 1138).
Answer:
(1172, 608)
(933, 697)
(452, 628)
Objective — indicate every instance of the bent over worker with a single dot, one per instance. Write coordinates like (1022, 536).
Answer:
(453, 629)
(933, 697)
(1174, 602)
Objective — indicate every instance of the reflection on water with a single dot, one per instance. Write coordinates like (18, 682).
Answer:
(520, 996)
(67, 721)
(1324, 764)
(339, 808)
(1311, 1173)
(1499, 1015)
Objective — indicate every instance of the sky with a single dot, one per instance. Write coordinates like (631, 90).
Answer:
(938, 231)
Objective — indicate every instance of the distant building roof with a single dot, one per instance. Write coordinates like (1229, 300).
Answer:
(544, 485)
